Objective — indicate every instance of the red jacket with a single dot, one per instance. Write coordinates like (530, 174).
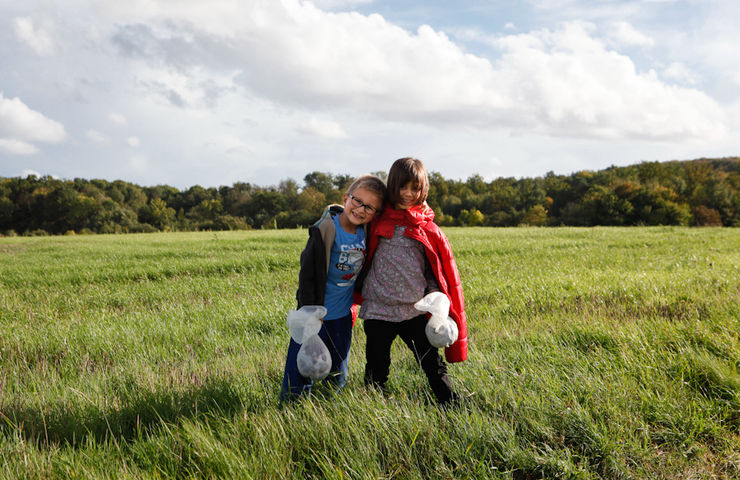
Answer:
(420, 226)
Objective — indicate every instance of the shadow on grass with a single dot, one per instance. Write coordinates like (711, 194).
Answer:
(135, 411)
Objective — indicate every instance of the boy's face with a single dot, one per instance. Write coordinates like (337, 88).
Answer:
(357, 204)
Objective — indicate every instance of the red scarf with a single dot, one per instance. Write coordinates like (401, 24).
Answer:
(414, 217)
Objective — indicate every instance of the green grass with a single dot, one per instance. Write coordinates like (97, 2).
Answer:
(594, 353)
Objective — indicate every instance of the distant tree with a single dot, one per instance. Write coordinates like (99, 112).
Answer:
(706, 217)
(323, 182)
(342, 182)
(502, 195)
(536, 216)
(80, 212)
(264, 207)
(229, 222)
(477, 184)
(193, 196)
(531, 192)
(207, 210)
(452, 205)
(157, 214)
(655, 205)
(602, 206)
(382, 174)
(471, 218)
(6, 213)
(165, 192)
(236, 198)
(134, 196)
(720, 196)
(697, 192)
(311, 201)
(558, 191)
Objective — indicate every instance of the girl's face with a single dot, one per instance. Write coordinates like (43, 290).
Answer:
(409, 196)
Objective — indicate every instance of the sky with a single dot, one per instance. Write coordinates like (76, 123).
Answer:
(189, 92)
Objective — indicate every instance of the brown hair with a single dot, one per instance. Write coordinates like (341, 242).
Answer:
(403, 171)
(371, 183)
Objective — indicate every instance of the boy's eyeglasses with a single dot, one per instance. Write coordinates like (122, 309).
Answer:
(369, 209)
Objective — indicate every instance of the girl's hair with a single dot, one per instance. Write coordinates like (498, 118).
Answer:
(403, 171)
(371, 183)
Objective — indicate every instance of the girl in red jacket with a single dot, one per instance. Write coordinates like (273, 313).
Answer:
(409, 257)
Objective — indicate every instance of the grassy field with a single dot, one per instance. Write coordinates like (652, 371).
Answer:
(594, 353)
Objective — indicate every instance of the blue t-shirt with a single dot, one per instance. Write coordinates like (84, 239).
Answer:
(345, 262)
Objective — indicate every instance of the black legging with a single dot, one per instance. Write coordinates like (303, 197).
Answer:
(380, 335)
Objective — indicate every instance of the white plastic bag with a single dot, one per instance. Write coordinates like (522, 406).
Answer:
(441, 329)
(314, 360)
(305, 322)
(304, 325)
(435, 303)
(441, 332)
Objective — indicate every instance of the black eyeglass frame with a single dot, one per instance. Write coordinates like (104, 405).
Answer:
(369, 209)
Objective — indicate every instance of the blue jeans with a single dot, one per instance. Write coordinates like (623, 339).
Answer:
(337, 336)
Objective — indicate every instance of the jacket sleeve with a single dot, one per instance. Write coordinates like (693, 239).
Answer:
(372, 242)
(458, 351)
(312, 275)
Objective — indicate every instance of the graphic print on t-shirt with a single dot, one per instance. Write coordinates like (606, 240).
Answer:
(349, 261)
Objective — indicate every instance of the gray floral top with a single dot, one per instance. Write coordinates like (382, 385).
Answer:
(399, 276)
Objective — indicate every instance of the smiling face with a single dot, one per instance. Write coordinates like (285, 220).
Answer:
(356, 206)
(408, 196)
(408, 183)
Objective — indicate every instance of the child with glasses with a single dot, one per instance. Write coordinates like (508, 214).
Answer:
(408, 258)
(330, 262)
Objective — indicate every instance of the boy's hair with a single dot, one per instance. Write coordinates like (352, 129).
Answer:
(370, 183)
(403, 171)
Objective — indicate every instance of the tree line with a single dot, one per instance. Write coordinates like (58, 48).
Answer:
(703, 192)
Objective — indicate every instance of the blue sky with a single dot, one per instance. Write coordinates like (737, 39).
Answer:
(188, 92)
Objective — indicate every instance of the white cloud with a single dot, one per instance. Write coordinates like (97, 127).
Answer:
(38, 39)
(333, 4)
(17, 147)
(560, 82)
(624, 33)
(679, 72)
(189, 88)
(118, 119)
(96, 136)
(321, 128)
(20, 125)
(572, 85)
(133, 142)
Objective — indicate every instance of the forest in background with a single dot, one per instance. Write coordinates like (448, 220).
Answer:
(702, 192)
